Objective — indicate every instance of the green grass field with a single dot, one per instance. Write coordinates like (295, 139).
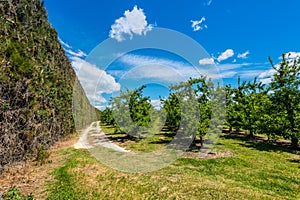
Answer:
(254, 170)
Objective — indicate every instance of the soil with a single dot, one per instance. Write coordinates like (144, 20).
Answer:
(30, 177)
(94, 136)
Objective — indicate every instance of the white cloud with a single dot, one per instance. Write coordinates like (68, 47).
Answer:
(265, 80)
(69, 50)
(291, 55)
(147, 67)
(64, 44)
(250, 73)
(226, 67)
(166, 70)
(207, 61)
(133, 22)
(170, 71)
(173, 71)
(231, 70)
(228, 74)
(266, 76)
(79, 53)
(94, 81)
(226, 54)
(156, 104)
(209, 2)
(243, 55)
(156, 72)
(197, 25)
(139, 60)
(101, 108)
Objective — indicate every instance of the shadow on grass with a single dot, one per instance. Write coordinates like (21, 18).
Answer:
(120, 137)
(165, 142)
(295, 161)
(257, 142)
(261, 143)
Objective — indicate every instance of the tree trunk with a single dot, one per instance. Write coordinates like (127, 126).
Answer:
(251, 134)
(201, 141)
(295, 142)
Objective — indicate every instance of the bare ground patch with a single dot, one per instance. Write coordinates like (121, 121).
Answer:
(211, 155)
(30, 177)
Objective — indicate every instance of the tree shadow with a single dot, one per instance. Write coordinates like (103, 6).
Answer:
(165, 141)
(295, 161)
(256, 142)
(169, 135)
(120, 137)
(261, 143)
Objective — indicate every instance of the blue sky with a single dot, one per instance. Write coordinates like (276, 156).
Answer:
(238, 35)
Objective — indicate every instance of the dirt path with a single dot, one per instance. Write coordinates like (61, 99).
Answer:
(30, 177)
(93, 136)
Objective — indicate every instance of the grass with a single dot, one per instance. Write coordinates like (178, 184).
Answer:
(255, 171)
(151, 143)
(94, 124)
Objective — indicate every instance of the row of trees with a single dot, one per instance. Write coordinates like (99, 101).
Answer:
(272, 109)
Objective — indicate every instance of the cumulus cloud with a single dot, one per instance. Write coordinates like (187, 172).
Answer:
(226, 55)
(132, 23)
(94, 81)
(207, 61)
(156, 103)
(266, 76)
(197, 24)
(243, 55)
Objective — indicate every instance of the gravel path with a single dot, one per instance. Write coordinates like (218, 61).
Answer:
(93, 136)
